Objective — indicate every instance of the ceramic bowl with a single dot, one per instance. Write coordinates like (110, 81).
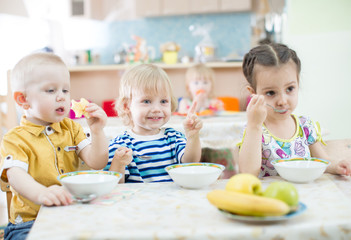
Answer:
(300, 170)
(86, 183)
(195, 175)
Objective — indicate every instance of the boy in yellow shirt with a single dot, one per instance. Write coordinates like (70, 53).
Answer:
(47, 143)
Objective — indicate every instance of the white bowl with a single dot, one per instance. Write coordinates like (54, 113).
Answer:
(300, 170)
(85, 183)
(195, 175)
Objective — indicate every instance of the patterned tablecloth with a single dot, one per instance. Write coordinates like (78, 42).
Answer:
(217, 132)
(167, 211)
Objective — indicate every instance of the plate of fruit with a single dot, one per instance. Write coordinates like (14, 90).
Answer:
(243, 199)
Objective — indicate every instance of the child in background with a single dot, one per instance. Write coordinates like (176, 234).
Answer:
(273, 131)
(46, 144)
(145, 104)
(199, 81)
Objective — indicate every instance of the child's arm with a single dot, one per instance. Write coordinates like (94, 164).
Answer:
(250, 154)
(123, 156)
(192, 125)
(95, 155)
(27, 187)
(342, 167)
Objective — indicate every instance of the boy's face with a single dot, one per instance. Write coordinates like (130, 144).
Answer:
(48, 95)
(199, 84)
(279, 86)
(149, 111)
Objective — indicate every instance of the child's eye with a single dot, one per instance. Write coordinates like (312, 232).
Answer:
(164, 101)
(65, 91)
(290, 89)
(50, 90)
(270, 93)
(146, 101)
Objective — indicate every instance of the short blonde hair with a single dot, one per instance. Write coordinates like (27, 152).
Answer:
(22, 72)
(200, 71)
(146, 77)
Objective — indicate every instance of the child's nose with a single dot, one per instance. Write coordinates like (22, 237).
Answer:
(60, 97)
(282, 99)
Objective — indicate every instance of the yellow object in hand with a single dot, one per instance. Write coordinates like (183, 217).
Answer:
(79, 107)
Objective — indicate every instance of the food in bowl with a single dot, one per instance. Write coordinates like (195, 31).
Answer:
(82, 184)
(195, 175)
(300, 170)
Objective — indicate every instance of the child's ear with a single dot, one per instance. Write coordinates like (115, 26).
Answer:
(251, 90)
(21, 100)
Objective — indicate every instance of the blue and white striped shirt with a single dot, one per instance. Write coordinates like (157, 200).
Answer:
(165, 148)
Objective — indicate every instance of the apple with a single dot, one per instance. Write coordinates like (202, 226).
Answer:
(244, 183)
(284, 191)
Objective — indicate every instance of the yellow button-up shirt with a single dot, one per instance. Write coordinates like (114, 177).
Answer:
(44, 152)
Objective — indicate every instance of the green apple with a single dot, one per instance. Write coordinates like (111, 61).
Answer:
(244, 183)
(284, 191)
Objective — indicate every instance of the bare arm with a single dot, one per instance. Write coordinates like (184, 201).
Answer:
(27, 187)
(95, 155)
(250, 153)
(337, 166)
(123, 157)
(192, 126)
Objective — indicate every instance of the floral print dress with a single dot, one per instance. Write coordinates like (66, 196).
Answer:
(274, 148)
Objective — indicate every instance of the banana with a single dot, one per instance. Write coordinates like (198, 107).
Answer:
(247, 204)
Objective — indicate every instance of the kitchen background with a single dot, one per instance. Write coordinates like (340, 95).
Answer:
(319, 30)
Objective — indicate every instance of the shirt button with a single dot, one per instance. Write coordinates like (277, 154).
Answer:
(49, 128)
(88, 134)
(62, 171)
(58, 149)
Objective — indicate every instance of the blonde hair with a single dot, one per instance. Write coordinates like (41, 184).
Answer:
(146, 77)
(21, 75)
(200, 71)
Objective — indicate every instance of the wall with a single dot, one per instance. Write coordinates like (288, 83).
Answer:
(320, 32)
(231, 33)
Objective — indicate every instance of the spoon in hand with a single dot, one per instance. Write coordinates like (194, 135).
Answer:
(276, 110)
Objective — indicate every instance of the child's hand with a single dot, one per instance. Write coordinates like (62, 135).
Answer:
(201, 99)
(343, 167)
(98, 117)
(55, 196)
(256, 111)
(123, 156)
(192, 124)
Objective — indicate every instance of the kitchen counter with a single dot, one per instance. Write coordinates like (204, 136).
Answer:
(113, 67)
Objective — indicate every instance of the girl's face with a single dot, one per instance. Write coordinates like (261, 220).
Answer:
(48, 95)
(279, 86)
(149, 111)
(199, 84)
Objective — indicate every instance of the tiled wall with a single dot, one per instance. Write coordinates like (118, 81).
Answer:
(231, 33)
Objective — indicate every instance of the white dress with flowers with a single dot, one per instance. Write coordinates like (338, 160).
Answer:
(274, 148)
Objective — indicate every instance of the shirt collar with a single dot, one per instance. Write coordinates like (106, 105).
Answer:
(37, 129)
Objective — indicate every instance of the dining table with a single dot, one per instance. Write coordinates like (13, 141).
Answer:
(223, 130)
(168, 211)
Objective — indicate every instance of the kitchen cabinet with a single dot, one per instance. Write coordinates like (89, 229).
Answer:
(147, 8)
(99, 83)
(235, 5)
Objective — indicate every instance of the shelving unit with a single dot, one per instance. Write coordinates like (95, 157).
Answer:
(101, 82)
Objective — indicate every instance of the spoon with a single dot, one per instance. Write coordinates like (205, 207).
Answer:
(84, 198)
(276, 110)
(144, 157)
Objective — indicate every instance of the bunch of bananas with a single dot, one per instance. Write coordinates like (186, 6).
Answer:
(243, 195)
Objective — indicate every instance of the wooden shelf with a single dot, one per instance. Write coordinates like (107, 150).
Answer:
(113, 67)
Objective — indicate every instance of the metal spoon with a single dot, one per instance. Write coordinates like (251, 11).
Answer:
(276, 110)
(84, 199)
(144, 157)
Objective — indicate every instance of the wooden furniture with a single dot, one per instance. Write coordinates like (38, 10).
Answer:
(167, 211)
(101, 82)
